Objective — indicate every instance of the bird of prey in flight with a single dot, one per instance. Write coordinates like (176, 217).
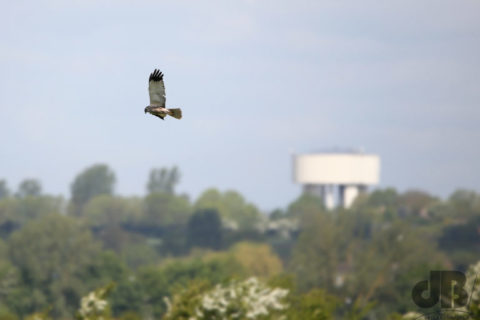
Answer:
(156, 89)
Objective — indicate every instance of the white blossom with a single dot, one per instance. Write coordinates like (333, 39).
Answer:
(473, 282)
(412, 315)
(250, 299)
(168, 304)
(92, 304)
(229, 224)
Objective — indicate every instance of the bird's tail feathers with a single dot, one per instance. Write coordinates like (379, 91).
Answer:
(176, 113)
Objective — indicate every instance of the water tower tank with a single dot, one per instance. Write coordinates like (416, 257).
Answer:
(350, 173)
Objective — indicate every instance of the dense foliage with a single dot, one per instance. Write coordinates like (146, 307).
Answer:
(219, 257)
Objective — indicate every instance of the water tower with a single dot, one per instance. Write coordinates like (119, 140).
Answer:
(345, 174)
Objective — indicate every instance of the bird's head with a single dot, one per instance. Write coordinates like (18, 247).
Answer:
(146, 109)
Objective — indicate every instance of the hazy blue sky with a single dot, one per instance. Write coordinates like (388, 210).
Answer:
(255, 79)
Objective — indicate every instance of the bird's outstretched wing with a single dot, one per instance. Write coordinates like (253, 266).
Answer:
(156, 88)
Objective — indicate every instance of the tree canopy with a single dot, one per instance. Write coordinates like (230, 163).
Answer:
(168, 255)
(95, 180)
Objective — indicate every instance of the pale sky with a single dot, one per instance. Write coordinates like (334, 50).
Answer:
(255, 79)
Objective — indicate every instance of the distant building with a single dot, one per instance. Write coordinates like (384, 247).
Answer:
(336, 177)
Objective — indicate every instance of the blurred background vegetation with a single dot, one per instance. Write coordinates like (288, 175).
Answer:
(357, 263)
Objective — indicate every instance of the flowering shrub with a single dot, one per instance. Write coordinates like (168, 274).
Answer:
(94, 306)
(249, 299)
(412, 316)
(472, 285)
(43, 315)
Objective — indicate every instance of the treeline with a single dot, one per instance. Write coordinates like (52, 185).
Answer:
(359, 263)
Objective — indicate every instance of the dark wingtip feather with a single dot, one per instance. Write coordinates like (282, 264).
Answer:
(156, 75)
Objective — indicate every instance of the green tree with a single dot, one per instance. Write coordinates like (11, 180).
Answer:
(416, 203)
(205, 229)
(4, 191)
(15, 212)
(232, 207)
(53, 255)
(95, 180)
(30, 208)
(383, 201)
(9, 280)
(138, 254)
(103, 210)
(315, 257)
(163, 180)
(464, 203)
(316, 304)
(8, 214)
(257, 259)
(386, 267)
(162, 209)
(29, 188)
(304, 205)
(40, 315)
(356, 255)
(108, 267)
